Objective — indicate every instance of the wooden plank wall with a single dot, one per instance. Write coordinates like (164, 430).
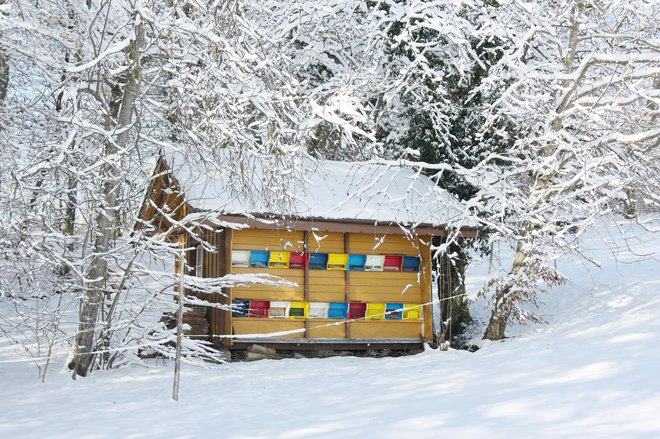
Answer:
(330, 286)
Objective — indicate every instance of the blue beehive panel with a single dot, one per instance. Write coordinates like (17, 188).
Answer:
(239, 308)
(259, 259)
(410, 264)
(356, 262)
(318, 261)
(391, 312)
(338, 310)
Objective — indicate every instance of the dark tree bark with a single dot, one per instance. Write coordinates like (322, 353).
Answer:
(122, 101)
(4, 74)
(454, 309)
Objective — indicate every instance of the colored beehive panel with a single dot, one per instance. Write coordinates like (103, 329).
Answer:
(393, 311)
(412, 311)
(324, 328)
(253, 239)
(392, 263)
(357, 310)
(240, 258)
(338, 310)
(246, 326)
(239, 308)
(298, 261)
(337, 261)
(375, 311)
(390, 244)
(279, 259)
(386, 329)
(318, 261)
(356, 262)
(374, 263)
(259, 259)
(279, 309)
(323, 242)
(258, 308)
(318, 310)
(299, 310)
(410, 264)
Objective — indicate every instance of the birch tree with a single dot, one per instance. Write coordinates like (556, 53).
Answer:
(581, 91)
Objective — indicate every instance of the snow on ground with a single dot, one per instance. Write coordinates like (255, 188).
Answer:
(592, 371)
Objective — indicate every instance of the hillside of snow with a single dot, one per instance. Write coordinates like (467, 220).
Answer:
(592, 371)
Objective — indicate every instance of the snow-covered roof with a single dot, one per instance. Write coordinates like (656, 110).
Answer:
(314, 189)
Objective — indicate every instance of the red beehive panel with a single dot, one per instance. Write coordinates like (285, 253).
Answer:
(298, 260)
(393, 263)
(357, 310)
(258, 308)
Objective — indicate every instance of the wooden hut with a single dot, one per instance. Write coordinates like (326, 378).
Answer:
(354, 244)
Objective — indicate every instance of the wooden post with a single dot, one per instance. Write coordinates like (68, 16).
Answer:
(347, 282)
(179, 324)
(227, 269)
(306, 280)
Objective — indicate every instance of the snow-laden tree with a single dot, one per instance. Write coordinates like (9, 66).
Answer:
(579, 82)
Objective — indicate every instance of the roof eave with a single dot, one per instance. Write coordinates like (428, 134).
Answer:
(279, 222)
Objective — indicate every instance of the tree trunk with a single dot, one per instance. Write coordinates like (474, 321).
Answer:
(4, 68)
(503, 296)
(4, 74)
(179, 323)
(500, 315)
(122, 103)
(454, 309)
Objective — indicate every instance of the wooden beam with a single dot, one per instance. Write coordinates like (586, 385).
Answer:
(227, 270)
(347, 281)
(339, 226)
(306, 280)
(426, 281)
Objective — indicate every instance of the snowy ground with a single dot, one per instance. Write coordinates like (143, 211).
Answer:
(592, 371)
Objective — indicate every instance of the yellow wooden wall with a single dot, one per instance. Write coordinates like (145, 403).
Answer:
(330, 286)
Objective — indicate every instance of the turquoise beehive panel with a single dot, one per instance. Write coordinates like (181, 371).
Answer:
(259, 259)
(394, 311)
(338, 310)
(356, 262)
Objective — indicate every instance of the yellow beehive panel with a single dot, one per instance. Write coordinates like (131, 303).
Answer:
(271, 240)
(337, 261)
(386, 329)
(371, 277)
(257, 294)
(245, 326)
(375, 311)
(325, 242)
(385, 287)
(299, 310)
(279, 259)
(332, 296)
(324, 328)
(324, 281)
(412, 311)
(384, 296)
(266, 292)
(363, 243)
